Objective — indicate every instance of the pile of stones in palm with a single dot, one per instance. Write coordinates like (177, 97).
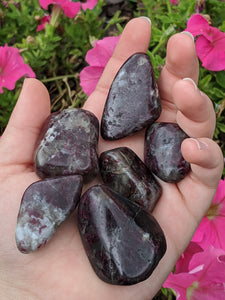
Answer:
(123, 241)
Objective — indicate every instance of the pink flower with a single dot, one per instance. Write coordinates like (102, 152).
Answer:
(12, 67)
(70, 8)
(90, 4)
(211, 228)
(210, 43)
(174, 2)
(45, 20)
(204, 279)
(97, 59)
(182, 264)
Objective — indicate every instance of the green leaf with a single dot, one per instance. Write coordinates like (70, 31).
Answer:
(220, 78)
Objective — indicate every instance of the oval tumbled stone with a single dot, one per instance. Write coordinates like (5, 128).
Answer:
(124, 172)
(133, 99)
(163, 151)
(123, 242)
(68, 145)
(44, 206)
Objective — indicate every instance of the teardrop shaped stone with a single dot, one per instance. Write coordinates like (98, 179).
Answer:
(124, 172)
(163, 151)
(44, 206)
(133, 100)
(123, 242)
(68, 145)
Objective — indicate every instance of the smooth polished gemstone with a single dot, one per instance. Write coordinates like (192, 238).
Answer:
(68, 145)
(124, 172)
(133, 100)
(163, 151)
(123, 242)
(44, 206)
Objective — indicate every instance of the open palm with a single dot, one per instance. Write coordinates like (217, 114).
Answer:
(61, 269)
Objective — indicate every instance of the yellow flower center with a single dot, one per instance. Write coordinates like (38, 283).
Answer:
(191, 289)
(213, 211)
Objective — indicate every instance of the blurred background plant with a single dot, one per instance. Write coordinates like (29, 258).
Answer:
(54, 44)
(66, 45)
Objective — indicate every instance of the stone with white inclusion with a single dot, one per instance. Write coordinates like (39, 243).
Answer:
(133, 100)
(44, 206)
(124, 243)
(68, 145)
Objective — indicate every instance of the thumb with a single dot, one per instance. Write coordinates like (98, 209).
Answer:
(32, 108)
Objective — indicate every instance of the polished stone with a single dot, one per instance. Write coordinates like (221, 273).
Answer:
(68, 145)
(124, 172)
(123, 242)
(163, 151)
(133, 99)
(44, 206)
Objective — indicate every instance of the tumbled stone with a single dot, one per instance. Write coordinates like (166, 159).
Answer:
(123, 242)
(44, 206)
(68, 145)
(124, 172)
(133, 100)
(163, 151)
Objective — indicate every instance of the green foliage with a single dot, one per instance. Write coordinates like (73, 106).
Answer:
(57, 54)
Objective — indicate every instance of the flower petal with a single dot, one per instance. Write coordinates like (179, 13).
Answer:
(197, 25)
(101, 53)
(12, 67)
(90, 4)
(211, 54)
(89, 78)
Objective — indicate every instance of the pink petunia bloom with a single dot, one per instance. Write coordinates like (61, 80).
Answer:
(211, 228)
(182, 264)
(70, 8)
(45, 20)
(12, 67)
(97, 59)
(210, 43)
(204, 279)
(174, 2)
(90, 4)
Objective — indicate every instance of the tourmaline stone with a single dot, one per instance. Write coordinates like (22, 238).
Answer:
(68, 145)
(163, 151)
(133, 99)
(44, 206)
(124, 172)
(123, 242)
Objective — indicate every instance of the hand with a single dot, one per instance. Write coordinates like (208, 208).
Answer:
(61, 269)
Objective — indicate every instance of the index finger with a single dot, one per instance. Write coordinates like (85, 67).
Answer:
(135, 38)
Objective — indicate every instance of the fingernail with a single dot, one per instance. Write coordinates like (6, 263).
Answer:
(201, 145)
(189, 34)
(146, 18)
(194, 84)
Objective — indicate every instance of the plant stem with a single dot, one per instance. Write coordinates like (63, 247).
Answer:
(57, 78)
(55, 14)
(168, 6)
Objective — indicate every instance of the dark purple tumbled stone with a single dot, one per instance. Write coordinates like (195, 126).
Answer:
(68, 145)
(133, 100)
(163, 151)
(44, 206)
(123, 242)
(124, 172)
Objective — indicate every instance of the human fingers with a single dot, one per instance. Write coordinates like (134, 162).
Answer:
(181, 62)
(18, 141)
(195, 115)
(206, 160)
(182, 206)
(135, 38)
